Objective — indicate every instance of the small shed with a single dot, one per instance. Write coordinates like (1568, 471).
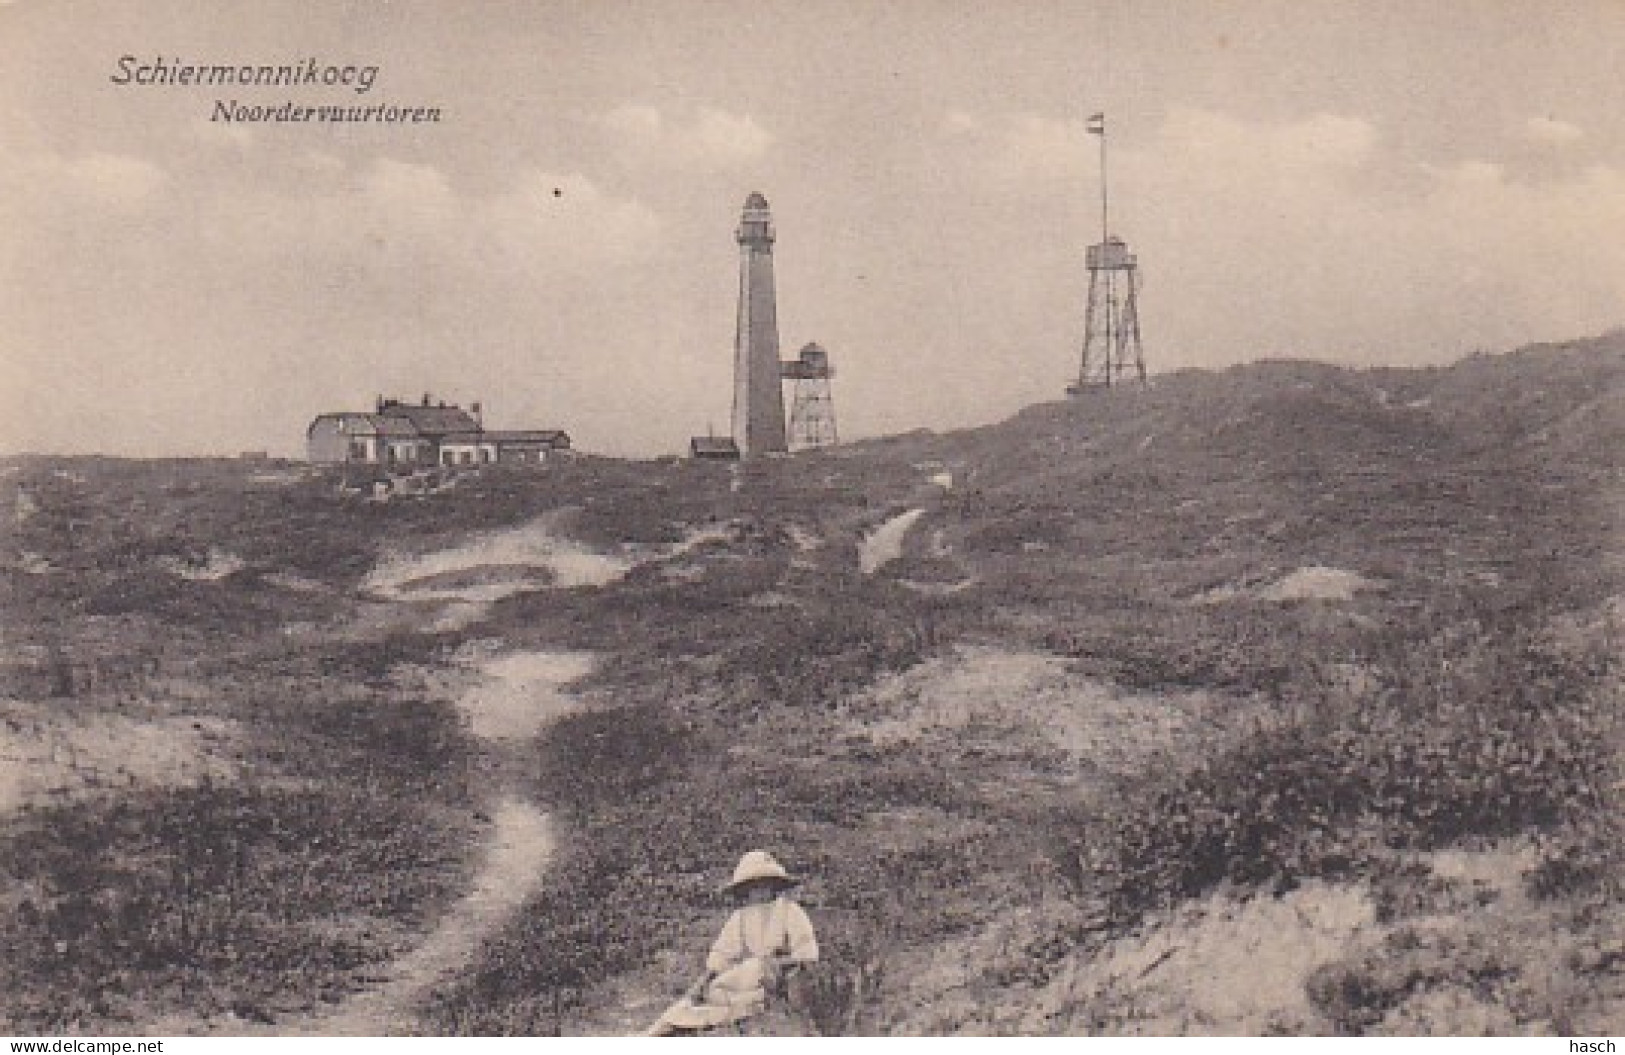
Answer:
(714, 448)
(526, 446)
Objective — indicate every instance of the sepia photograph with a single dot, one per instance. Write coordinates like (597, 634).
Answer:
(812, 518)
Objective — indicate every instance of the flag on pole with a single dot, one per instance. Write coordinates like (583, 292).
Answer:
(1096, 125)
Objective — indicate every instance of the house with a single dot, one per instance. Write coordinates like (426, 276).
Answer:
(527, 446)
(714, 448)
(403, 436)
(400, 443)
(466, 448)
(343, 437)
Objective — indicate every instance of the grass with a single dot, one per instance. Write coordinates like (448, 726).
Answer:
(1462, 739)
(1471, 695)
(340, 822)
(243, 898)
(670, 788)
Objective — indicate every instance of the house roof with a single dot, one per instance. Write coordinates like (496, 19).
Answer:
(713, 446)
(348, 422)
(433, 421)
(388, 426)
(552, 437)
(355, 423)
(443, 424)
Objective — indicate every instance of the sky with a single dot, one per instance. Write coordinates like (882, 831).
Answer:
(1363, 183)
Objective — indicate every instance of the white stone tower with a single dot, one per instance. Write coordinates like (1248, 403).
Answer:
(758, 407)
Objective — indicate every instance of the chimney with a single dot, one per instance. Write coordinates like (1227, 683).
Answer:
(425, 399)
(479, 415)
(378, 404)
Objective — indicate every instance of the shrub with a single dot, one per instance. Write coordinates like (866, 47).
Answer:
(662, 805)
(815, 656)
(212, 897)
(1584, 860)
(834, 994)
(1484, 738)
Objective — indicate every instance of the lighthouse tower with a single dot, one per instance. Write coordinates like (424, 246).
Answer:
(758, 407)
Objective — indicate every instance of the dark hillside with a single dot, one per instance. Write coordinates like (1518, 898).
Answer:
(1367, 584)
(1515, 403)
(1309, 666)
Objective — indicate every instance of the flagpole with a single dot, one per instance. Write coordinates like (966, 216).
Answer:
(1105, 227)
(1097, 125)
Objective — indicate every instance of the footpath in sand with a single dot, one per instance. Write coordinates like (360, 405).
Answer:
(514, 699)
(885, 543)
(510, 700)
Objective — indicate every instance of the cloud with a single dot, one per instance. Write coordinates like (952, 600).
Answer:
(409, 216)
(410, 196)
(1534, 243)
(1268, 237)
(1551, 131)
(1017, 156)
(565, 222)
(1316, 236)
(49, 179)
(1038, 148)
(223, 134)
(1278, 153)
(728, 137)
(635, 122)
(116, 179)
(708, 139)
(1039, 155)
(232, 307)
(317, 163)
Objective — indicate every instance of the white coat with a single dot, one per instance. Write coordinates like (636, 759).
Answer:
(744, 961)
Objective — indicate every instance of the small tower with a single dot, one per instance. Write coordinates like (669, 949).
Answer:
(1111, 320)
(812, 409)
(758, 406)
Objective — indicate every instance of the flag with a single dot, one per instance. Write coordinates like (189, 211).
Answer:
(1096, 125)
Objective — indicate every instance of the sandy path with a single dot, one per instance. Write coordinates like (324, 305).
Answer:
(516, 697)
(467, 579)
(505, 563)
(885, 543)
(520, 693)
(533, 545)
(513, 699)
(511, 702)
(517, 853)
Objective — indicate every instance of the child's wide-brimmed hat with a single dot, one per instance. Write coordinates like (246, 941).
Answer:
(758, 866)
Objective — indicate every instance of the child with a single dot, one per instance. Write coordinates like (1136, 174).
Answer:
(767, 936)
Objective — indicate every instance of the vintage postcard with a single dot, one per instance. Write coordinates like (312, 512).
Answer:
(812, 518)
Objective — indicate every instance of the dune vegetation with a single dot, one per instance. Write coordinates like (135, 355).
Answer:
(1310, 669)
